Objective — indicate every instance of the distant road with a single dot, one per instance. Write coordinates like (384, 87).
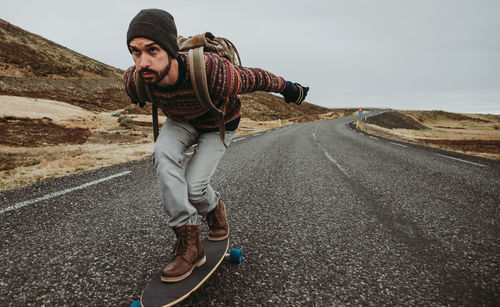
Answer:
(324, 215)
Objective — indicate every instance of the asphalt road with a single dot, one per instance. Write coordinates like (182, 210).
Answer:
(324, 216)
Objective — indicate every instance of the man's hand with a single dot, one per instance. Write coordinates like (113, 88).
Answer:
(294, 92)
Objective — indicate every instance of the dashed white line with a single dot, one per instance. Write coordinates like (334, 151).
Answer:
(465, 161)
(59, 193)
(257, 134)
(372, 137)
(327, 154)
(398, 144)
(335, 162)
(239, 139)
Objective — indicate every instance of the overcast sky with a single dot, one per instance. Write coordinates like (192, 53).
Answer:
(407, 54)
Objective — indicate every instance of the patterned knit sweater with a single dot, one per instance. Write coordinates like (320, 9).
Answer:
(224, 80)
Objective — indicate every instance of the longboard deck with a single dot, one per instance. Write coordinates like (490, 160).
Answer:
(159, 293)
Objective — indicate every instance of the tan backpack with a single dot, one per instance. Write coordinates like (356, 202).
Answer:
(196, 46)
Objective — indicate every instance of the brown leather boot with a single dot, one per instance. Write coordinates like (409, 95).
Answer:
(188, 254)
(217, 223)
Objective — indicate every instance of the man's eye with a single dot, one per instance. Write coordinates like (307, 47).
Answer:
(153, 50)
(135, 52)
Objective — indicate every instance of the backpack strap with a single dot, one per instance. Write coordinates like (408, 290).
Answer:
(155, 121)
(200, 86)
(144, 95)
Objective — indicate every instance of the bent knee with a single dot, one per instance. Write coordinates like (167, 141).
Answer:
(197, 192)
(166, 154)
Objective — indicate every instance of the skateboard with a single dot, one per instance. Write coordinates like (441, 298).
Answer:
(159, 293)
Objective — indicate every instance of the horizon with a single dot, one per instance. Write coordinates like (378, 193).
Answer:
(411, 55)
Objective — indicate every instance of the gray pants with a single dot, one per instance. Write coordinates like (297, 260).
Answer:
(186, 191)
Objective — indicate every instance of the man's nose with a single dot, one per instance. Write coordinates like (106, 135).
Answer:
(144, 61)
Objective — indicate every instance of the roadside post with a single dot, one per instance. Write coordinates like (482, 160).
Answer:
(360, 113)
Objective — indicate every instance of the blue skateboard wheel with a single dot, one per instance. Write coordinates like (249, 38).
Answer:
(235, 255)
(135, 304)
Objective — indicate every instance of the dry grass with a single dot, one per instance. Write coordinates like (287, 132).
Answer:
(54, 161)
(473, 134)
(110, 142)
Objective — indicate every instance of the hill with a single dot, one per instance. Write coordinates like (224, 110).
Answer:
(32, 66)
(63, 112)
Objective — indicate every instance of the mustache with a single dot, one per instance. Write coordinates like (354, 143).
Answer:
(147, 70)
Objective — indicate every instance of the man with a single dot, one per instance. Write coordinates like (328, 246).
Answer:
(186, 191)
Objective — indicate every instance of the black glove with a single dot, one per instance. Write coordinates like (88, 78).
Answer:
(294, 92)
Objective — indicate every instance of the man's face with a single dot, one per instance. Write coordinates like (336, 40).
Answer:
(150, 60)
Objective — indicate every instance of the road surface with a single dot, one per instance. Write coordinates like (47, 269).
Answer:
(324, 216)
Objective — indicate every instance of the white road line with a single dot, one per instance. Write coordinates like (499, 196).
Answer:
(372, 137)
(335, 162)
(239, 139)
(59, 193)
(465, 161)
(327, 154)
(398, 144)
(257, 134)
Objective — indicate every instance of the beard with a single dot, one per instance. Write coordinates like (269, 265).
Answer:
(155, 76)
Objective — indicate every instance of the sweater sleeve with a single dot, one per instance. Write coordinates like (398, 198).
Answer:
(226, 80)
(129, 84)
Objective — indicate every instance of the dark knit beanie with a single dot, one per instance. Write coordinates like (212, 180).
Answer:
(156, 25)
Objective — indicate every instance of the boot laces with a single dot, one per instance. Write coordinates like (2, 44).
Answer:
(181, 246)
(214, 217)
